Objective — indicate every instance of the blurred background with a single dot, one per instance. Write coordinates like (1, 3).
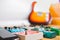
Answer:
(14, 12)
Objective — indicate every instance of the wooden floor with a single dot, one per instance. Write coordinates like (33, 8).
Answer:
(57, 38)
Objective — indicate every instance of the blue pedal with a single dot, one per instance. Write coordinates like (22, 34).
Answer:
(49, 34)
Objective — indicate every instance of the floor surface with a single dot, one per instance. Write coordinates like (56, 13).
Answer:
(56, 38)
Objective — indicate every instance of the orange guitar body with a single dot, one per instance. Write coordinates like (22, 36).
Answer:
(38, 17)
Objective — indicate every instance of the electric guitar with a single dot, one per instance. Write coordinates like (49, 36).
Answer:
(38, 17)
